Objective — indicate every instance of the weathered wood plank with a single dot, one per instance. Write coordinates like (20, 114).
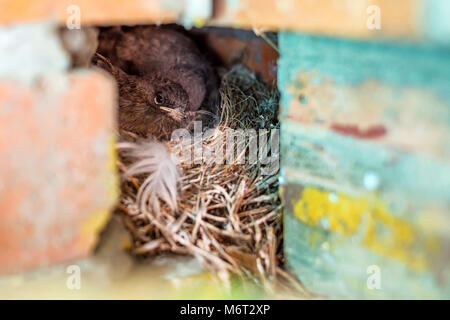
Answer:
(366, 165)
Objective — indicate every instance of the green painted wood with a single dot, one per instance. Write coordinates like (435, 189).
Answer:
(320, 157)
(352, 61)
(334, 267)
(413, 186)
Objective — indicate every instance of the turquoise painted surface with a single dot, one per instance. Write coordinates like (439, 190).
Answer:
(336, 160)
(437, 19)
(333, 266)
(345, 159)
(353, 61)
(410, 183)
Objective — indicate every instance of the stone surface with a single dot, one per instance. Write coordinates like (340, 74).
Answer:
(165, 277)
(30, 49)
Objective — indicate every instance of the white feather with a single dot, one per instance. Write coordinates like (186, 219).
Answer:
(153, 159)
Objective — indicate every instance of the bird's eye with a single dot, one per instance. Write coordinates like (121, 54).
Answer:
(159, 99)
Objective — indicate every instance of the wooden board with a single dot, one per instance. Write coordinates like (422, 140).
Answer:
(366, 165)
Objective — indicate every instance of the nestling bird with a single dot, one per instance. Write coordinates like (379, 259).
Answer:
(164, 84)
(164, 81)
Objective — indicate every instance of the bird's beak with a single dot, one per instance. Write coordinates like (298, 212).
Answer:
(173, 113)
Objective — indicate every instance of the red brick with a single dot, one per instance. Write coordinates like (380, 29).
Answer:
(57, 176)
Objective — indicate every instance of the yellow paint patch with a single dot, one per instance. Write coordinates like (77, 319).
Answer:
(95, 223)
(199, 22)
(113, 181)
(381, 231)
(317, 207)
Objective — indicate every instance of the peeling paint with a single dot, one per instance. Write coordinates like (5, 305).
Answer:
(372, 110)
(372, 132)
(379, 228)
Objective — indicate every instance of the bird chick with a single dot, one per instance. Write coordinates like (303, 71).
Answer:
(164, 81)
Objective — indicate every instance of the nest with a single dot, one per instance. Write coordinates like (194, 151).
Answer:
(228, 215)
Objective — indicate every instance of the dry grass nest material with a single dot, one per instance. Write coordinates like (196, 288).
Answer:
(228, 215)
